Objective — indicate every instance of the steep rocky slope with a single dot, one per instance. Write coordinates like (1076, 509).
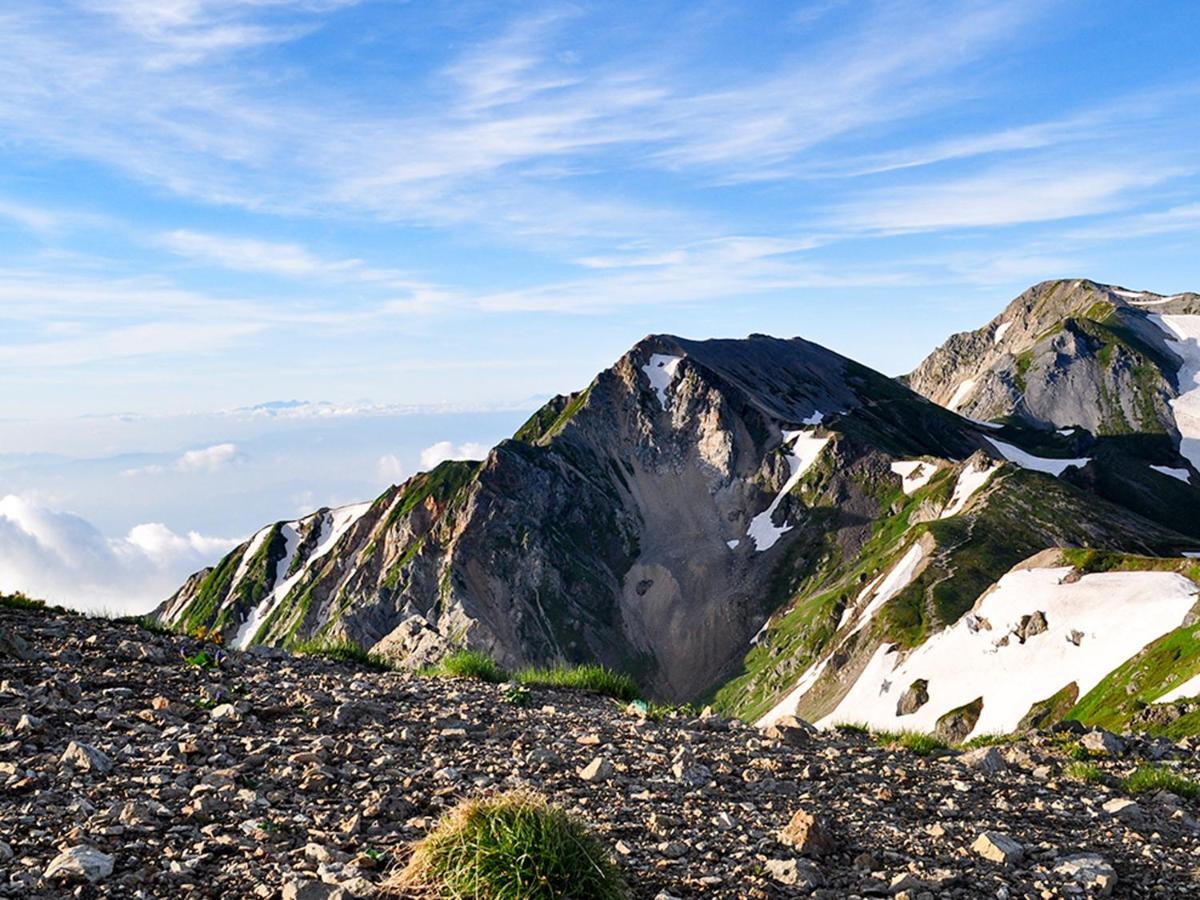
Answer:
(274, 776)
(767, 524)
(1070, 354)
(642, 522)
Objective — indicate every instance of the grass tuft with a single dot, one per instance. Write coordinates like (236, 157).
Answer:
(21, 601)
(466, 664)
(1146, 779)
(341, 650)
(852, 728)
(988, 740)
(1085, 772)
(596, 679)
(513, 846)
(916, 742)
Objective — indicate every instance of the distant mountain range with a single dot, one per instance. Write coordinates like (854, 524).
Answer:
(763, 524)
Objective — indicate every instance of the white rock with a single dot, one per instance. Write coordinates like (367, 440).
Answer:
(79, 863)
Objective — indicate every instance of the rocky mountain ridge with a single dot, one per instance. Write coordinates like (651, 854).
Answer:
(765, 523)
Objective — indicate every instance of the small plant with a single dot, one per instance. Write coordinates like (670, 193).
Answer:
(1085, 772)
(916, 742)
(374, 854)
(207, 703)
(517, 695)
(513, 846)
(21, 601)
(987, 740)
(341, 650)
(203, 659)
(1146, 779)
(852, 728)
(594, 678)
(466, 664)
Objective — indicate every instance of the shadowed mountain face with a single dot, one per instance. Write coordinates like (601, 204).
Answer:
(707, 515)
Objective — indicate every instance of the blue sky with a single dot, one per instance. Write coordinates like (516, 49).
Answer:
(206, 205)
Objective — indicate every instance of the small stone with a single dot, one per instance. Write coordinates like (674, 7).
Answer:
(1128, 811)
(998, 847)
(673, 849)
(307, 889)
(987, 760)
(809, 834)
(798, 872)
(599, 769)
(86, 758)
(1101, 741)
(225, 712)
(79, 863)
(791, 731)
(1090, 871)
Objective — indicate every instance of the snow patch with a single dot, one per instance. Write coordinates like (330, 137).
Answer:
(1189, 688)
(1001, 329)
(1066, 432)
(1093, 625)
(1184, 334)
(961, 393)
(994, 426)
(1182, 474)
(806, 447)
(787, 706)
(969, 481)
(914, 473)
(815, 419)
(1036, 463)
(900, 577)
(732, 544)
(660, 372)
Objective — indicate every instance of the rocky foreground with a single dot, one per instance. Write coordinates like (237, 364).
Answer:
(129, 771)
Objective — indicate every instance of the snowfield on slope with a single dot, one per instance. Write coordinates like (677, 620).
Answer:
(1049, 465)
(660, 372)
(961, 393)
(805, 448)
(1092, 626)
(914, 474)
(1184, 332)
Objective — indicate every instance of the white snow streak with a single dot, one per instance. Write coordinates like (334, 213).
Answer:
(961, 393)
(1036, 463)
(806, 447)
(1182, 474)
(1000, 331)
(244, 563)
(334, 524)
(660, 372)
(897, 579)
(1185, 341)
(732, 544)
(787, 706)
(914, 473)
(1112, 615)
(969, 481)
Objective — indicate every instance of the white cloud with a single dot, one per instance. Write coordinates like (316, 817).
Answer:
(204, 459)
(65, 559)
(208, 459)
(390, 469)
(1001, 196)
(444, 450)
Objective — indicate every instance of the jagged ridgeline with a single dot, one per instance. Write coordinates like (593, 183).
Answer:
(770, 526)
